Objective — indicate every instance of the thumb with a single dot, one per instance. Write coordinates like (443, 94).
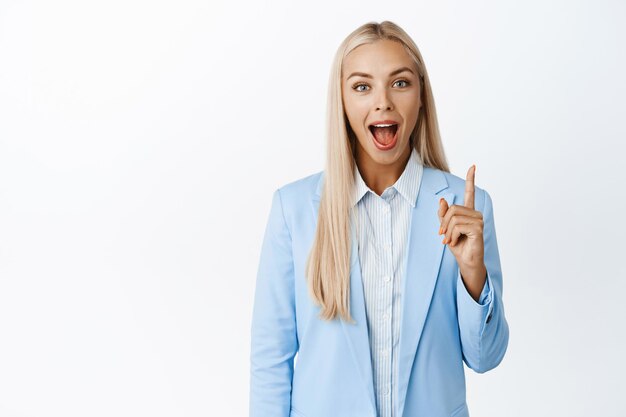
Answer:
(443, 208)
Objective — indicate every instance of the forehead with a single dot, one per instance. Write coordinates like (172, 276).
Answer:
(377, 58)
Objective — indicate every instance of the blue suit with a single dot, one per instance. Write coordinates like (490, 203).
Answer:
(302, 366)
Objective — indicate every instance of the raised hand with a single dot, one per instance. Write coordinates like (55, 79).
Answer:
(462, 227)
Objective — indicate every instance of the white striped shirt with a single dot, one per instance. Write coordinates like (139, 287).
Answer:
(384, 224)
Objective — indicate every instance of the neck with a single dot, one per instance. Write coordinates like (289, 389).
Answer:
(379, 176)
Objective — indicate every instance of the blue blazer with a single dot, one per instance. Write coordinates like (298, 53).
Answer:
(302, 366)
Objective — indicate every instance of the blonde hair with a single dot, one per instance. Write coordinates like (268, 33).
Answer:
(328, 264)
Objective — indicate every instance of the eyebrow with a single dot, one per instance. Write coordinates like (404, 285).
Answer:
(391, 74)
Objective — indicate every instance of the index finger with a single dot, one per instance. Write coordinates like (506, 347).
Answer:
(469, 187)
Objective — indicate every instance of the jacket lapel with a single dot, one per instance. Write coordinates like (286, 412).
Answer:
(421, 270)
(422, 262)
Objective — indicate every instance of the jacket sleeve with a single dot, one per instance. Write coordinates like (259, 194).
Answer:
(483, 327)
(274, 341)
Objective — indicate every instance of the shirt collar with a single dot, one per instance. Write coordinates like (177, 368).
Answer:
(407, 185)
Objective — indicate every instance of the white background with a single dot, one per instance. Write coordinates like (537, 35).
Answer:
(141, 141)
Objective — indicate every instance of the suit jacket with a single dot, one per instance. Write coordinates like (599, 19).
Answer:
(302, 366)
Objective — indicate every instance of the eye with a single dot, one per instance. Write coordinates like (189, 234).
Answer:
(356, 87)
(403, 81)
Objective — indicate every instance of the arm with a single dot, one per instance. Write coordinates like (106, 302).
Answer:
(483, 326)
(273, 331)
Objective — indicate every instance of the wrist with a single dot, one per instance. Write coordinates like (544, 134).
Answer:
(474, 280)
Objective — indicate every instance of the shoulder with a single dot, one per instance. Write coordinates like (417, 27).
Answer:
(299, 191)
(302, 185)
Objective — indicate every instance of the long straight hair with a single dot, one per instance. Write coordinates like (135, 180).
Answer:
(328, 263)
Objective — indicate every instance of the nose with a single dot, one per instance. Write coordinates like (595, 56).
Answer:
(383, 101)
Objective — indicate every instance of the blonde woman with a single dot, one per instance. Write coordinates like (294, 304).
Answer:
(381, 273)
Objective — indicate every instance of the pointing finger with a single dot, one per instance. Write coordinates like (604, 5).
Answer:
(469, 187)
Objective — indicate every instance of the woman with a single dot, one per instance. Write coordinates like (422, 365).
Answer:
(381, 272)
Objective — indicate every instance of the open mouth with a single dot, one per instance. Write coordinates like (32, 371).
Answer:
(385, 134)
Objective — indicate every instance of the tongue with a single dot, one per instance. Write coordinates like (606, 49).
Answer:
(384, 135)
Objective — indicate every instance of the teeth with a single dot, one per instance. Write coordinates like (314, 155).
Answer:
(384, 125)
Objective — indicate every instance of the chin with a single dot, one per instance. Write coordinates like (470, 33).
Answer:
(385, 157)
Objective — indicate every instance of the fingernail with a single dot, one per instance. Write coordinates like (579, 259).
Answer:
(439, 229)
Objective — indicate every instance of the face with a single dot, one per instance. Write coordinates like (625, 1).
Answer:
(380, 85)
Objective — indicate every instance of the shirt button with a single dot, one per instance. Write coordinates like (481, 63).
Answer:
(387, 391)
(387, 278)
(385, 316)
(386, 209)
(384, 352)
